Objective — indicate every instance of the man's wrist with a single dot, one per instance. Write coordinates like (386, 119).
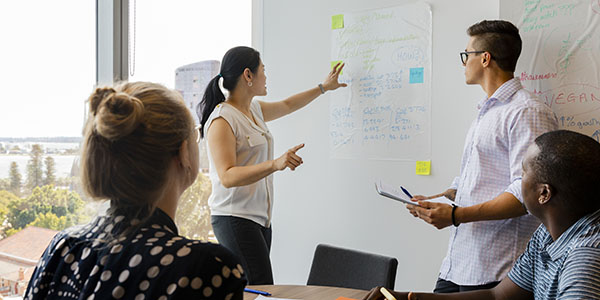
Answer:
(455, 222)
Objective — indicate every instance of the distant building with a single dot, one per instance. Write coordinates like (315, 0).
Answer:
(19, 255)
(191, 81)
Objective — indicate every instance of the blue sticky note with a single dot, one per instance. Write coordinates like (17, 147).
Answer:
(416, 75)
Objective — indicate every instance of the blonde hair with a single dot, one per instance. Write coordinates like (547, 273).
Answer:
(132, 133)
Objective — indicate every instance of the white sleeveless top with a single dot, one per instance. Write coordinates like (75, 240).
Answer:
(254, 145)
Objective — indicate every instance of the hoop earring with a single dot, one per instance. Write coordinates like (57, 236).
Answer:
(250, 83)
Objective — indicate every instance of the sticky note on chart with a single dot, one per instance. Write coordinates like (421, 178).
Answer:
(423, 167)
(416, 75)
(335, 62)
(337, 21)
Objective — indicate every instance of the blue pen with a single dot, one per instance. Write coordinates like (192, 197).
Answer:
(257, 292)
(406, 192)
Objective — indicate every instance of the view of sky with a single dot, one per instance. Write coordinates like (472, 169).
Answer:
(47, 58)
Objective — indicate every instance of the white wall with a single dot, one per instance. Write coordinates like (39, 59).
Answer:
(333, 201)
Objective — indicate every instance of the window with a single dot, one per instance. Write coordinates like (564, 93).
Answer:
(47, 71)
(167, 35)
(48, 68)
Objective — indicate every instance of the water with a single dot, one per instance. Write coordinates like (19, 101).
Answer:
(62, 167)
(63, 153)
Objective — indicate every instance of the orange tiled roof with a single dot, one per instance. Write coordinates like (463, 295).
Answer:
(28, 243)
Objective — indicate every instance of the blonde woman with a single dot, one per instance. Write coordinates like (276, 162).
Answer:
(140, 152)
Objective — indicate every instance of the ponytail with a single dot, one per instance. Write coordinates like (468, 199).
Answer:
(234, 62)
(212, 97)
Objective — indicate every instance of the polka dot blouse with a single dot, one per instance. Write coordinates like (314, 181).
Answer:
(93, 262)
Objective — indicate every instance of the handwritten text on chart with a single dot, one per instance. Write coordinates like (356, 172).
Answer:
(575, 105)
(571, 94)
(539, 15)
(372, 86)
(569, 122)
(379, 123)
(408, 54)
(386, 106)
(562, 98)
(524, 76)
(569, 47)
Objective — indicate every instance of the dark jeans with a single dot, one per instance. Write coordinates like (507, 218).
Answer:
(250, 242)
(445, 286)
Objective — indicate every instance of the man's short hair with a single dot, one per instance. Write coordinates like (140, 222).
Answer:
(501, 39)
(570, 163)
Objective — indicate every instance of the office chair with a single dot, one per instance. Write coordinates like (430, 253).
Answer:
(339, 267)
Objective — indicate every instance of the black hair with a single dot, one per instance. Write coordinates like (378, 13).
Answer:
(501, 39)
(569, 162)
(234, 62)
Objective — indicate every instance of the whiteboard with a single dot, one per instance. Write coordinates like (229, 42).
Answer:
(334, 201)
(385, 111)
(559, 62)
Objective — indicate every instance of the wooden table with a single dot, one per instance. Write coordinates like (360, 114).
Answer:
(306, 292)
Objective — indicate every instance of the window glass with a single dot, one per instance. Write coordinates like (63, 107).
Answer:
(179, 44)
(47, 70)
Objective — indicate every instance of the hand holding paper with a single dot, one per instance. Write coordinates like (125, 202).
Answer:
(405, 197)
(437, 214)
(389, 191)
(433, 199)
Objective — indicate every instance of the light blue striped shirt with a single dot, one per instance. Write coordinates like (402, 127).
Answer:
(507, 123)
(568, 268)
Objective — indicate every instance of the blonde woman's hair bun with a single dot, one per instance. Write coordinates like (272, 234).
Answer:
(98, 96)
(116, 114)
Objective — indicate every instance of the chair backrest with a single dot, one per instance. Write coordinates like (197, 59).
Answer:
(339, 267)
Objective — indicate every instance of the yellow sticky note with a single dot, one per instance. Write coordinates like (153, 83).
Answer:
(335, 62)
(337, 21)
(423, 167)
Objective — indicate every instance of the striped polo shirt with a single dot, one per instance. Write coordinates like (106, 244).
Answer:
(568, 268)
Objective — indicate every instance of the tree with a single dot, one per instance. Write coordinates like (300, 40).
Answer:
(50, 170)
(50, 221)
(46, 199)
(193, 214)
(6, 198)
(15, 179)
(34, 167)
(4, 184)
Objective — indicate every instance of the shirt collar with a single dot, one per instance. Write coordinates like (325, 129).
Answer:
(254, 124)
(161, 217)
(559, 247)
(504, 93)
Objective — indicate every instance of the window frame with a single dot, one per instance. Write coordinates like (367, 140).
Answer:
(112, 38)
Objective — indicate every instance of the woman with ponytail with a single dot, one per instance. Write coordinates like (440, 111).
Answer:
(240, 153)
(140, 152)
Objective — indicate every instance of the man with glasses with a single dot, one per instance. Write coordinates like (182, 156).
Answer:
(491, 226)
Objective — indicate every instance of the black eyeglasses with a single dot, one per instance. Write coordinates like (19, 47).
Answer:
(465, 55)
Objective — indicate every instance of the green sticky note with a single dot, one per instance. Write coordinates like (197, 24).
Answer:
(335, 62)
(423, 167)
(337, 21)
